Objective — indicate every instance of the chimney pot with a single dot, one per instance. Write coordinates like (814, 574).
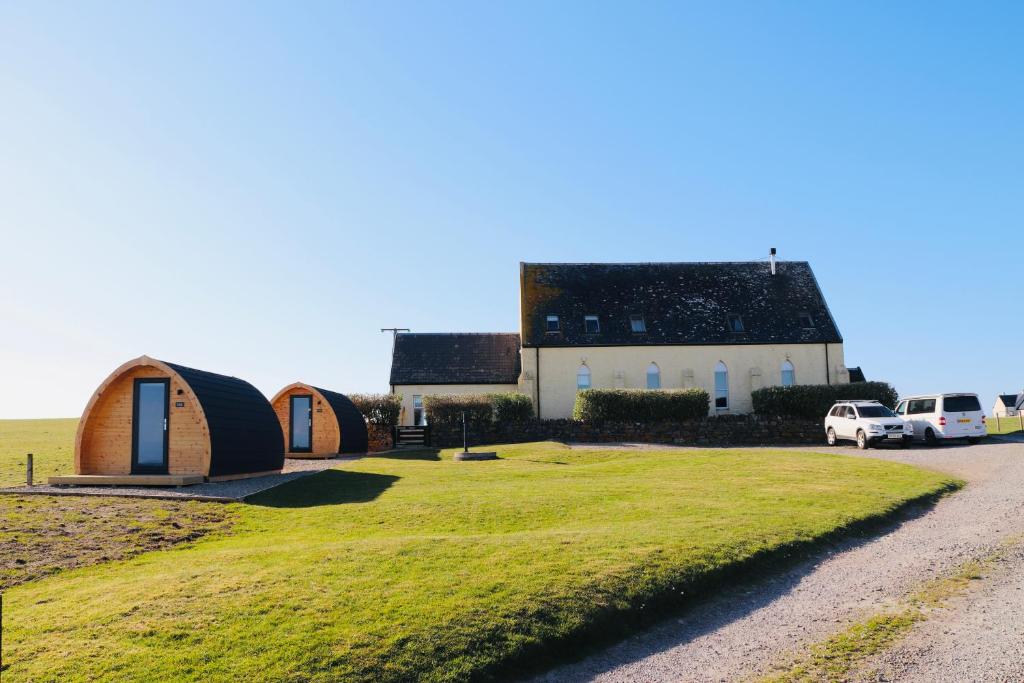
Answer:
(771, 259)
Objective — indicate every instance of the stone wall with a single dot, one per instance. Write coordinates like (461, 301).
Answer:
(723, 430)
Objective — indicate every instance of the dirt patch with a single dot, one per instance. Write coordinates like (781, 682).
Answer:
(46, 534)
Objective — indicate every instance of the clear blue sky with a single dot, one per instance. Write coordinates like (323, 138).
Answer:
(256, 189)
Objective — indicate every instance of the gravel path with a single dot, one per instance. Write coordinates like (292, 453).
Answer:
(741, 632)
(217, 491)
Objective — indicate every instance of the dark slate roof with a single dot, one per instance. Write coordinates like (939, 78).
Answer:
(681, 303)
(456, 358)
(354, 438)
(245, 435)
(857, 375)
(1009, 400)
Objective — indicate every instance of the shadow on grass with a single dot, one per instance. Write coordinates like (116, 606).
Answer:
(411, 454)
(330, 487)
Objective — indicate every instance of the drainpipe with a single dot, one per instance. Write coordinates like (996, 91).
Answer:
(828, 376)
(536, 356)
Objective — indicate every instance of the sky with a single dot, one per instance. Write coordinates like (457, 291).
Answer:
(256, 189)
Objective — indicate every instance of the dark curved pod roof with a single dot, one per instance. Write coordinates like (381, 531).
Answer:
(354, 438)
(245, 435)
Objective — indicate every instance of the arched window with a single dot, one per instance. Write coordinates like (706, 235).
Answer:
(788, 374)
(721, 386)
(583, 377)
(653, 376)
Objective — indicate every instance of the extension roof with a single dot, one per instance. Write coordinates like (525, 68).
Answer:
(681, 303)
(456, 358)
(1010, 400)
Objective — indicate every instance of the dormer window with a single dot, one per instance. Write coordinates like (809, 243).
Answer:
(736, 324)
(806, 321)
(636, 323)
(590, 324)
(552, 324)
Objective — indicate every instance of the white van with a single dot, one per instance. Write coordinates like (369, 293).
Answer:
(944, 416)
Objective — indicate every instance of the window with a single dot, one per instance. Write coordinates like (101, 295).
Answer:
(834, 412)
(788, 374)
(901, 409)
(921, 406)
(960, 404)
(806, 320)
(721, 386)
(636, 323)
(735, 323)
(590, 324)
(419, 417)
(583, 378)
(653, 376)
(553, 323)
(875, 411)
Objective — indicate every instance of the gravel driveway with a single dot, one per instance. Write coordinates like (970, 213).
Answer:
(743, 631)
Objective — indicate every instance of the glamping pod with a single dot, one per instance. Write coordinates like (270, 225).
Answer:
(317, 423)
(158, 423)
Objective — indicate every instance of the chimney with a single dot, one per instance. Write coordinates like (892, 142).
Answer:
(771, 259)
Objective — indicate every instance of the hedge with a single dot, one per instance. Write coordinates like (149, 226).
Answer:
(640, 405)
(481, 409)
(379, 409)
(511, 407)
(813, 401)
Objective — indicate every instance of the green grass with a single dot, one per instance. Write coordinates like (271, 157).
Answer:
(425, 568)
(52, 443)
(1007, 425)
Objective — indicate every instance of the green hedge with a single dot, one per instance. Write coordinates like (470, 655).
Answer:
(640, 405)
(511, 407)
(813, 401)
(482, 410)
(378, 409)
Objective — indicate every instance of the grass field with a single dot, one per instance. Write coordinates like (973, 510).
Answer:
(1005, 425)
(425, 568)
(52, 443)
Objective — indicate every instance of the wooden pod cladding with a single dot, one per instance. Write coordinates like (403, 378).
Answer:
(317, 423)
(154, 419)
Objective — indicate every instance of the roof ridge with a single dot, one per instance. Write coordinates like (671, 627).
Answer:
(759, 262)
(453, 334)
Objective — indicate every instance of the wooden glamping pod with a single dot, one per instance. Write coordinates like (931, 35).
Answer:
(162, 424)
(317, 423)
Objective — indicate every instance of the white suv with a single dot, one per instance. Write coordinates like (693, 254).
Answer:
(868, 423)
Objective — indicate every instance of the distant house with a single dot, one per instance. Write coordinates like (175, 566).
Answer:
(729, 328)
(1008, 405)
(857, 375)
(453, 363)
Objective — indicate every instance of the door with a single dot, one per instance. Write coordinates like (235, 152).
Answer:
(301, 428)
(149, 426)
(849, 423)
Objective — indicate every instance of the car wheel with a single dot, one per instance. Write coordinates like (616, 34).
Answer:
(929, 437)
(862, 440)
(830, 436)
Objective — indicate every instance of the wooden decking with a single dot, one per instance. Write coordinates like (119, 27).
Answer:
(126, 480)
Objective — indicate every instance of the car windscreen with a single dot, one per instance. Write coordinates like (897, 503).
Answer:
(875, 411)
(960, 404)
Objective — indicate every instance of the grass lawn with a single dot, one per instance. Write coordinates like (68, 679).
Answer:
(425, 568)
(1007, 425)
(52, 443)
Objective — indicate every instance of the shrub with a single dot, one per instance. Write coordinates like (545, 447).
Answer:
(813, 401)
(446, 409)
(511, 407)
(379, 409)
(640, 405)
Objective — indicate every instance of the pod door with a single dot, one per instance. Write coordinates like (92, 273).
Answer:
(301, 424)
(149, 426)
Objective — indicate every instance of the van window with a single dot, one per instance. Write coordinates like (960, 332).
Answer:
(921, 406)
(960, 404)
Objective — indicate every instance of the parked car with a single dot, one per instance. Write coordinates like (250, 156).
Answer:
(944, 416)
(869, 423)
